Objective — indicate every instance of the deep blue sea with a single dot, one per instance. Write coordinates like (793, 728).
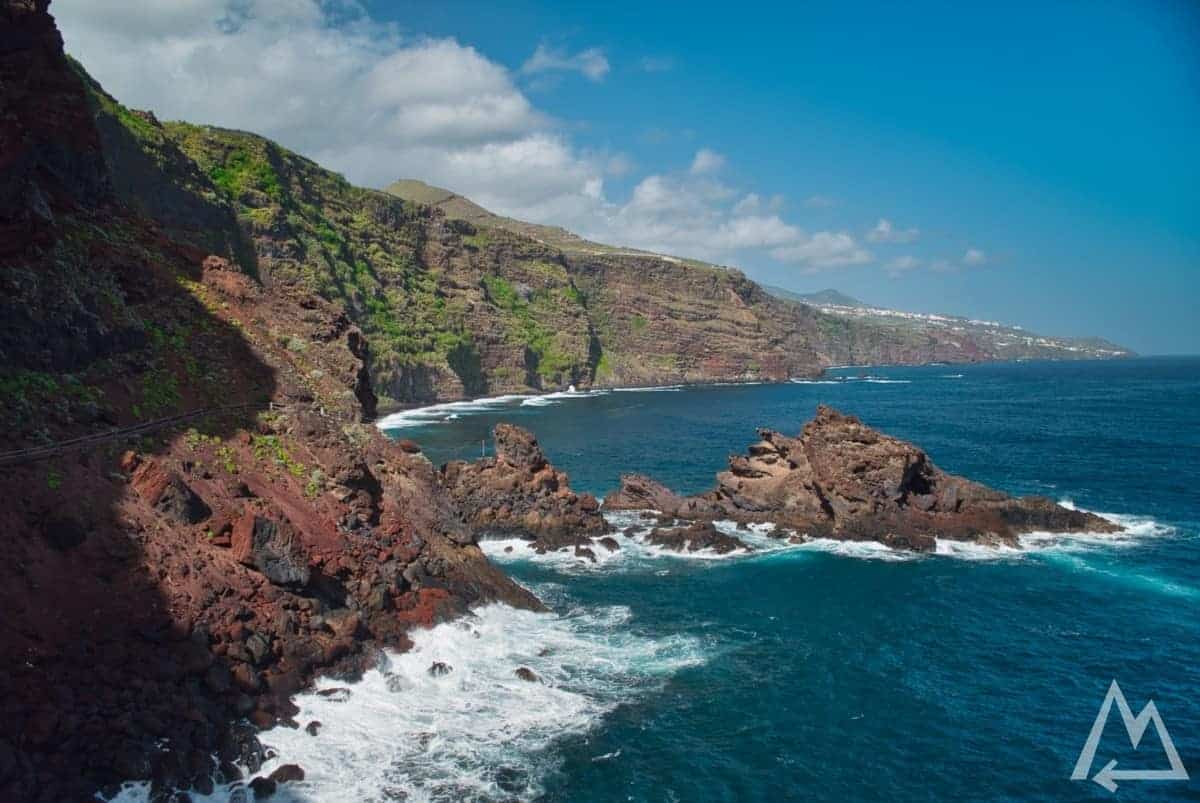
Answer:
(822, 672)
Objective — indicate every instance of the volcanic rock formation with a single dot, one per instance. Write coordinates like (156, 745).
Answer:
(841, 479)
(518, 492)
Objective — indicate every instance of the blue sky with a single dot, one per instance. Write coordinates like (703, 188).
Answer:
(1032, 163)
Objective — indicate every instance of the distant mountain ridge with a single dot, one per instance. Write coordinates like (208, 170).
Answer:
(820, 298)
(1008, 341)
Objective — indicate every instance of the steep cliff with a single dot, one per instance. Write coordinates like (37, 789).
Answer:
(758, 338)
(169, 579)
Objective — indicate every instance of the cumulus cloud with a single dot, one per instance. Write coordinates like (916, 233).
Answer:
(591, 63)
(707, 161)
(323, 78)
(886, 232)
(375, 103)
(824, 250)
(752, 203)
(973, 257)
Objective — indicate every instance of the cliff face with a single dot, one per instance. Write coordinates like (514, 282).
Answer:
(678, 307)
(170, 581)
(475, 305)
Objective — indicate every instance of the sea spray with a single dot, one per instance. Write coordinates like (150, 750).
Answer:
(475, 731)
(478, 732)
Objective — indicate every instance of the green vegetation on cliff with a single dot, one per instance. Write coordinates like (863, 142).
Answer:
(462, 301)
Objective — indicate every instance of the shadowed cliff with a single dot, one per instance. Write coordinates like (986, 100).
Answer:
(166, 592)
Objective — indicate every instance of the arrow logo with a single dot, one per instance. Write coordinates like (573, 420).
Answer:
(1135, 727)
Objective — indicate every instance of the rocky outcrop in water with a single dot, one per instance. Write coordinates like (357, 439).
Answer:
(841, 479)
(518, 492)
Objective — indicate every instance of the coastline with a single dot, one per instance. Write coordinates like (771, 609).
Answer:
(393, 417)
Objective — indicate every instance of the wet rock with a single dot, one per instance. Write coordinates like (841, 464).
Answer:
(526, 674)
(287, 773)
(585, 552)
(609, 543)
(263, 788)
(313, 728)
(337, 694)
(696, 537)
(439, 669)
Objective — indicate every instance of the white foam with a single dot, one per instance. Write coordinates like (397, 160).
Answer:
(548, 399)
(651, 389)
(478, 733)
(483, 722)
(864, 550)
(952, 376)
(1134, 531)
(635, 553)
(815, 381)
(447, 411)
(969, 550)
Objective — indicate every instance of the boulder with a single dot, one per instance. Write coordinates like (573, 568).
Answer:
(270, 547)
(168, 494)
(696, 537)
(287, 773)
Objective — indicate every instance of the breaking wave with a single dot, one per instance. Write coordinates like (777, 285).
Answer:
(447, 411)
(635, 553)
(477, 732)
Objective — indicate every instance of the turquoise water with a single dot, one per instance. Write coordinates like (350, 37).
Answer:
(859, 675)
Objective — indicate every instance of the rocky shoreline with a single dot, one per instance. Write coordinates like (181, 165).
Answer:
(166, 595)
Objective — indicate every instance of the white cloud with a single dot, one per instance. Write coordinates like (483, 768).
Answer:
(974, 256)
(707, 161)
(752, 203)
(326, 80)
(591, 63)
(749, 204)
(361, 97)
(885, 232)
(824, 250)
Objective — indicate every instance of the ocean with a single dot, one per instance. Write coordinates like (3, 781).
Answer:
(823, 671)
